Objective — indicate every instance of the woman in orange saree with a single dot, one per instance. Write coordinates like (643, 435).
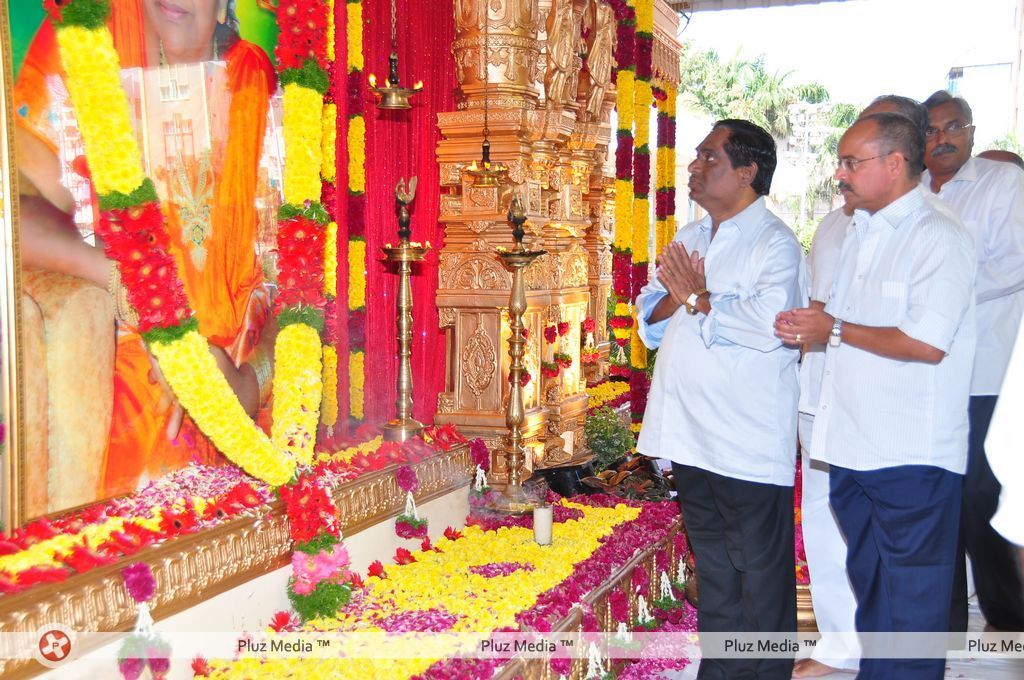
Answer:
(210, 199)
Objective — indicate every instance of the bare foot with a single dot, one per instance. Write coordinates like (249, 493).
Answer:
(809, 668)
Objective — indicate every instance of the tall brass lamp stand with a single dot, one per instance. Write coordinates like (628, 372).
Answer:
(404, 426)
(514, 500)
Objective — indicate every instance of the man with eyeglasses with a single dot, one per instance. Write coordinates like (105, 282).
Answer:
(831, 594)
(891, 420)
(988, 196)
(725, 392)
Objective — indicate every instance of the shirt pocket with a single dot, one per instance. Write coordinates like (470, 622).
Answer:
(894, 302)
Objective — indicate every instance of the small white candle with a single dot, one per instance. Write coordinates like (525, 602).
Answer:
(542, 521)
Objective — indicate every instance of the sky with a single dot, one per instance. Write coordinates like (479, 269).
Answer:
(862, 48)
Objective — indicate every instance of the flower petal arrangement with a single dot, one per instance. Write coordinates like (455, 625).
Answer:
(479, 580)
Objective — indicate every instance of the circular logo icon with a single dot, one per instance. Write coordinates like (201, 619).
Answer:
(54, 645)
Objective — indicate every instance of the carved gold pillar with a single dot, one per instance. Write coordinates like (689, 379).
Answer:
(536, 109)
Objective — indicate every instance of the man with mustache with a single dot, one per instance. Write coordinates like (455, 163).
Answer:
(988, 196)
(891, 420)
(725, 391)
(831, 594)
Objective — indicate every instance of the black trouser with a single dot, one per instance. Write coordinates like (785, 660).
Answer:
(993, 564)
(741, 534)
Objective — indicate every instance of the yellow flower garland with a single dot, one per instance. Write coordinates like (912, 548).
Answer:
(297, 401)
(302, 128)
(329, 138)
(101, 106)
(330, 29)
(355, 36)
(329, 403)
(191, 371)
(356, 383)
(357, 154)
(331, 259)
(356, 275)
(93, 81)
(345, 455)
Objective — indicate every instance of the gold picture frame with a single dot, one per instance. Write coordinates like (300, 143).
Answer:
(10, 297)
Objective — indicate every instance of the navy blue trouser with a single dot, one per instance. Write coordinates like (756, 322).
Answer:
(742, 538)
(901, 527)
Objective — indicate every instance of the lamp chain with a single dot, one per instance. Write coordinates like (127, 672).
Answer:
(487, 56)
(394, 39)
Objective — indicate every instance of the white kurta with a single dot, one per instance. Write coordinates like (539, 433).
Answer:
(909, 266)
(725, 389)
(988, 197)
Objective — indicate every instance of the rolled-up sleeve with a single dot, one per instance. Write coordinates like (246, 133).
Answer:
(748, 318)
(941, 285)
(649, 297)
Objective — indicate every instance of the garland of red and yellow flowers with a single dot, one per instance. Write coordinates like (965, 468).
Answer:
(642, 100)
(300, 303)
(622, 320)
(665, 194)
(132, 227)
(328, 193)
(356, 212)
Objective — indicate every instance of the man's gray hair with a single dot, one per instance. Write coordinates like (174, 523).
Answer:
(911, 108)
(943, 97)
(897, 133)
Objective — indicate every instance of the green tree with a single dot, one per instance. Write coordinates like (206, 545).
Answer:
(744, 89)
(821, 185)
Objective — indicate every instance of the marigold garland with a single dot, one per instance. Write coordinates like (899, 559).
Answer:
(622, 243)
(302, 115)
(643, 98)
(187, 366)
(329, 404)
(664, 206)
(357, 384)
(329, 139)
(356, 139)
(94, 83)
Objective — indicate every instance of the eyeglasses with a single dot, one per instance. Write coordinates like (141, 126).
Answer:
(951, 130)
(850, 164)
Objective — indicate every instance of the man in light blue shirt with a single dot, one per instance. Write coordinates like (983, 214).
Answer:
(723, 401)
(892, 416)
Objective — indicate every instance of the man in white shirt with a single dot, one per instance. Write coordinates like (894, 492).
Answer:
(723, 399)
(988, 197)
(1003, 449)
(831, 594)
(892, 416)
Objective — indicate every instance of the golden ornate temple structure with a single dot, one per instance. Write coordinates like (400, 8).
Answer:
(549, 122)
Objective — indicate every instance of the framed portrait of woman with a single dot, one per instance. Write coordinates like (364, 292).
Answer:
(96, 419)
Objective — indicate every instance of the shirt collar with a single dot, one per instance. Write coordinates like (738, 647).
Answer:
(896, 212)
(746, 220)
(968, 172)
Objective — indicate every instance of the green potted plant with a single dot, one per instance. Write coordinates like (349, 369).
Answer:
(608, 438)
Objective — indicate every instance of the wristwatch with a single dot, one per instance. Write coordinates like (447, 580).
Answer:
(836, 336)
(691, 301)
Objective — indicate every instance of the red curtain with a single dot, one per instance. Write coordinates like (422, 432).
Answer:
(400, 144)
